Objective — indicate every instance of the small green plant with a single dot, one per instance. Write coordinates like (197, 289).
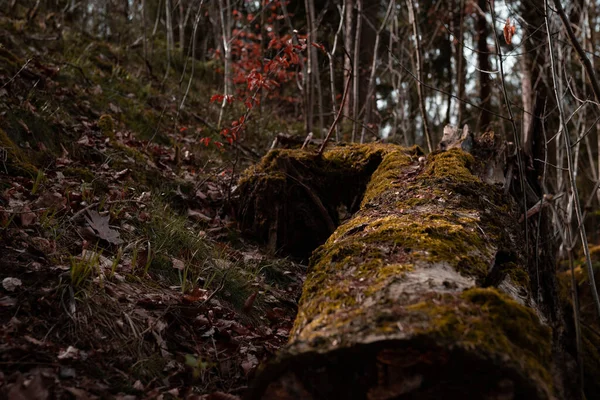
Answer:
(82, 267)
(116, 261)
(50, 223)
(39, 179)
(8, 220)
(197, 365)
(186, 283)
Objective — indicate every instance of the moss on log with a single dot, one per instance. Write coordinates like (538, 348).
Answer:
(423, 293)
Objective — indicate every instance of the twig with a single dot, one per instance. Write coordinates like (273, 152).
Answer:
(580, 52)
(17, 74)
(78, 213)
(338, 116)
(78, 68)
(217, 290)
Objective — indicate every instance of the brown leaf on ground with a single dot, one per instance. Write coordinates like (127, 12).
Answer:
(249, 302)
(100, 224)
(29, 389)
(178, 264)
(27, 217)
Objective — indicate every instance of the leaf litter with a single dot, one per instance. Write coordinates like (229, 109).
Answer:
(170, 301)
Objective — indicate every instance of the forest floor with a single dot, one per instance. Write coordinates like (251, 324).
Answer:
(122, 272)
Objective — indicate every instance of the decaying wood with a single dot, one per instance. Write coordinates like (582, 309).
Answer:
(425, 292)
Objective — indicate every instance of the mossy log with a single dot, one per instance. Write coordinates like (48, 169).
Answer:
(423, 293)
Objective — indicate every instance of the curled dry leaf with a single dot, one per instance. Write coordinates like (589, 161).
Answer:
(509, 31)
(249, 302)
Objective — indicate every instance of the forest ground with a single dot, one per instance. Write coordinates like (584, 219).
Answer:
(123, 273)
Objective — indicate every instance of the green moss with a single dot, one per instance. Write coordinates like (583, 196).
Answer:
(16, 163)
(386, 174)
(81, 173)
(106, 124)
(131, 152)
(9, 62)
(452, 165)
(488, 322)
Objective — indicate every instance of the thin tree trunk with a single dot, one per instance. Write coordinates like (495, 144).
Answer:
(349, 46)
(310, 63)
(483, 56)
(304, 83)
(145, 43)
(182, 29)
(356, 69)
(331, 55)
(419, 65)
(170, 41)
(157, 20)
(371, 89)
(460, 65)
(226, 40)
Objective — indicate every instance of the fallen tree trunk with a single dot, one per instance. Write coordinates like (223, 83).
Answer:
(424, 292)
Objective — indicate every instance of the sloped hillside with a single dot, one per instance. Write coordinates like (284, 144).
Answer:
(122, 272)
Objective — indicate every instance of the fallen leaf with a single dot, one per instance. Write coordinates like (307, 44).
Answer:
(198, 216)
(249, 302)
(249, 364)
(7, 301)
(70, 353)
(29, 389)
(27, 217)
(100, 224)
(11, 284)
(178, 264)
(196, 295)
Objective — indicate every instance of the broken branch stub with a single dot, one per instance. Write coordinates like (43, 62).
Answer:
(423, 293)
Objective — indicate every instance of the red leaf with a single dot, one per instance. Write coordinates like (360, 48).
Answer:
(319, 46)
(216, 97)
(249, 302)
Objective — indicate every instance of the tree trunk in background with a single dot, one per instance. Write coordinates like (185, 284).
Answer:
(349, 46)
(533, 65)
(424, 293)
(356, 69)
(419, 70)
(483, 58)
(371, 21)
(461, 71)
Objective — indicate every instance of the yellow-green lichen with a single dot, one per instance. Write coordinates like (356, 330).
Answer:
(81, 173)
(385, 176)
(106, 124)
(489, 322)
(453, 164)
